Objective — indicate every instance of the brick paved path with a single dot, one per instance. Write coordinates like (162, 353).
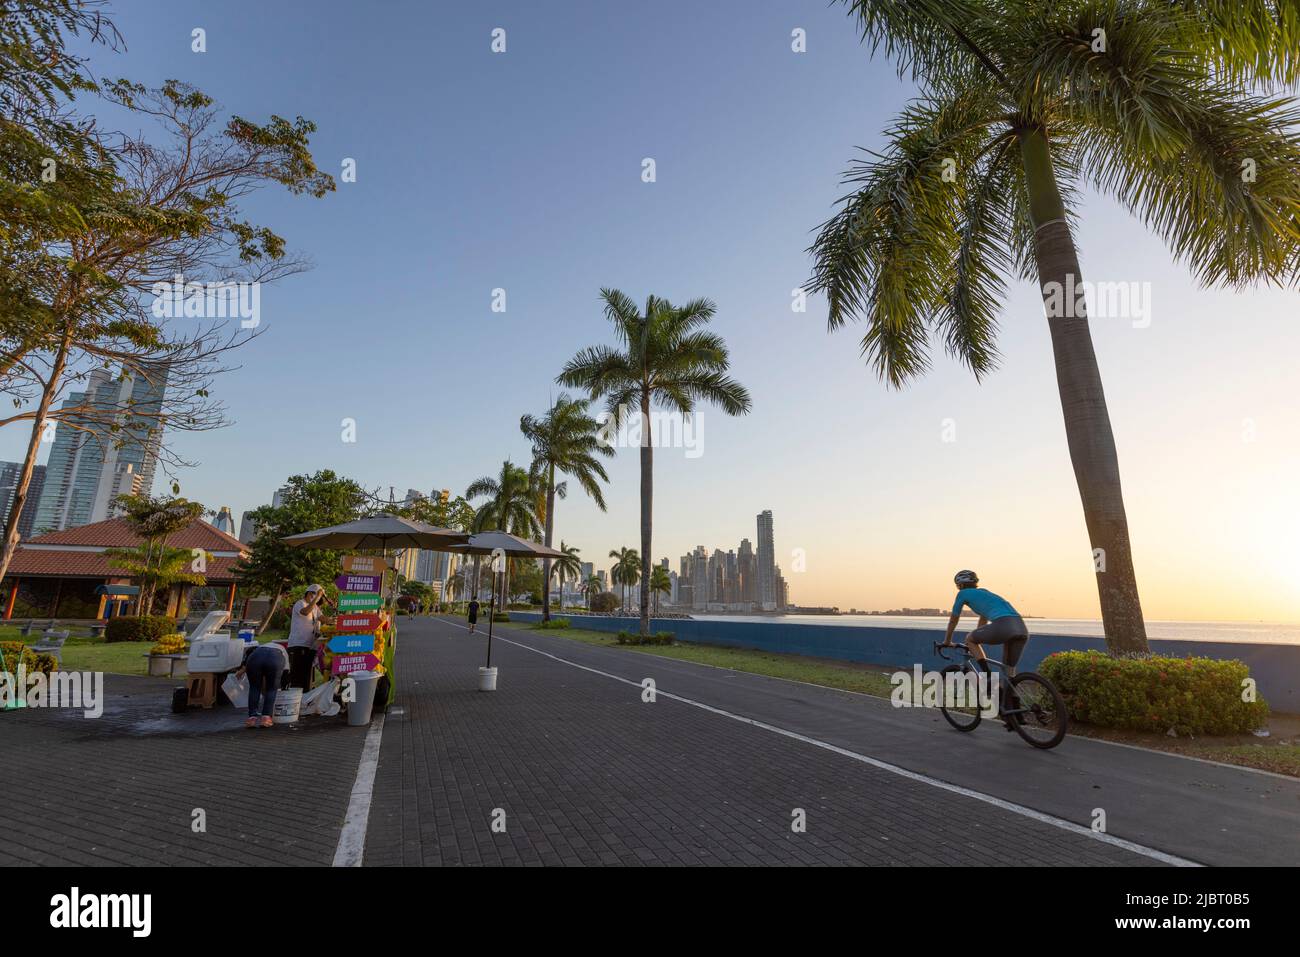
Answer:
(586, 773)
(121, 789)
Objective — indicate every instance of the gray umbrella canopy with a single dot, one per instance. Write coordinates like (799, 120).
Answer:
(485, 543)
(380, 531)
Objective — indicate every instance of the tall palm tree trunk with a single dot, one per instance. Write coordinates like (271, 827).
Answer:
(1083, 402)
(647, 502)
(546, 562)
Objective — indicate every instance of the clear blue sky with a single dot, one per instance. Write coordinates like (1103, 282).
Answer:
(522, 171)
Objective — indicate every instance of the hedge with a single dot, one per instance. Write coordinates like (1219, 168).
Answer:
(658, 638)
(554, 623)
(144, 628)
(1189, 696)
(10, 650)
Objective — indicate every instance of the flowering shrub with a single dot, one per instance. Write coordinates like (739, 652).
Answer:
(13, 651)
(1187, 695)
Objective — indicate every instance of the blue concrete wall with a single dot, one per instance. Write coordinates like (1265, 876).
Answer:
(1275, 668)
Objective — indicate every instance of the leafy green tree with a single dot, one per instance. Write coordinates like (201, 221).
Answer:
(590, 588)
(625, 572)
(172, 207)
(511, 507)
(309, 501)
(660, 584)
(665, 357)
(1021, 105)
(566, 440)
(566, 568)
(153, 565)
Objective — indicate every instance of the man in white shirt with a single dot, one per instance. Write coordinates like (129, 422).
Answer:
(304, 634)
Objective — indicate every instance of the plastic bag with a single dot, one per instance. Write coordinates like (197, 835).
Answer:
(320, 700)
(236, 690)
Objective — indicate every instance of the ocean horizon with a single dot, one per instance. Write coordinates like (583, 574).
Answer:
(1280, 633)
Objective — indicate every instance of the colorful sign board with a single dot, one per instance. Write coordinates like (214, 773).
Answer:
(352, 644)
(360, 602)
(360, 623)
(354, 583)
(365, 564)
(346, 664)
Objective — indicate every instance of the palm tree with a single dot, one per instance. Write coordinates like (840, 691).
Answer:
(592, 586)
(660, 584)
(666, 359)
(625, 571)
(570, 566)
(511, 507)
(1021, 104)
(565, 440)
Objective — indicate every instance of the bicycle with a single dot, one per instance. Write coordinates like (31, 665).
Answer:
(1031, 706)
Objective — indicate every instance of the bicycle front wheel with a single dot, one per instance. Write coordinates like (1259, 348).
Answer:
(956, 701)
(1037, 710)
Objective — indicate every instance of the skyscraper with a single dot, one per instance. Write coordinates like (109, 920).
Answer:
(699, 577)
(746, 572)
(224, 522)
(87, 471)
(766, 561)
(9, 475)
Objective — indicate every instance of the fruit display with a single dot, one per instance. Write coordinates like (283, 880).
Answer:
(169, 645)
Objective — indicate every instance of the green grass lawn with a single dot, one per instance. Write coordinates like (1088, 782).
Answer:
(846, 676)
(96, 654)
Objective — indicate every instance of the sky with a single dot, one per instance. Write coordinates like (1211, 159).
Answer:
(522, 171)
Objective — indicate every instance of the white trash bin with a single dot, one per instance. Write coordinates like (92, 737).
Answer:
(365, 683)
(487, 679)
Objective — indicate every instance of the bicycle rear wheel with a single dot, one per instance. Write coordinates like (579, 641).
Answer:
(1037, 711)
(959, 707)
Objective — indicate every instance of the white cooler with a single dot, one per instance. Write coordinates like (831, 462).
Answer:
(216, 653)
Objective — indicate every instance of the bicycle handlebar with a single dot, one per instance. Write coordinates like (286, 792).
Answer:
(940, 648)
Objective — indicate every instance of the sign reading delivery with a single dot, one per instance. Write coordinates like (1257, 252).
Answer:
(366, 583)
(345, 664)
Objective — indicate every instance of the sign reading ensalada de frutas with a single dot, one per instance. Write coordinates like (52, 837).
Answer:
(364, 564)
(359, 602)
(362, 623)
(355, 583)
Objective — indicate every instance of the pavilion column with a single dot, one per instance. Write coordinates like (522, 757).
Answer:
(13, 597)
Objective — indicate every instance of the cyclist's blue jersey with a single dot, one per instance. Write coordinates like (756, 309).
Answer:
(985, 603)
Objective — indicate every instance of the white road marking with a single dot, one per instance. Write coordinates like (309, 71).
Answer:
(997, 802)
(352, 839)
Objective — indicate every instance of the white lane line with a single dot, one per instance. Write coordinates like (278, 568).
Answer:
(1020, 809)
(1289, 778)
(352, 839)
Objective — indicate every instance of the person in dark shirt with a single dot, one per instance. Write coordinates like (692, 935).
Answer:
(472, 614)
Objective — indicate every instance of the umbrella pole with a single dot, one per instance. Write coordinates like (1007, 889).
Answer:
(492, 608)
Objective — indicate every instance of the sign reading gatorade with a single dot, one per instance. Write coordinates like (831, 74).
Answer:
(359, 602)
(352, 644)
(359, 623)
(364, 583)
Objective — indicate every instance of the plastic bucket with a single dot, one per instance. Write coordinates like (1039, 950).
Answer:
(487, 679)
(365, 683)
(287, 703)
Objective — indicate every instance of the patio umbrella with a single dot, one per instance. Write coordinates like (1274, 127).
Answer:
(379, 531)
(509, 546)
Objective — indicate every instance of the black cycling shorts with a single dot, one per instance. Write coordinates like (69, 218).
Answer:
(1009, 631)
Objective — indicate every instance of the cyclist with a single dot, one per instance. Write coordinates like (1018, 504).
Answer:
(999, 623)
